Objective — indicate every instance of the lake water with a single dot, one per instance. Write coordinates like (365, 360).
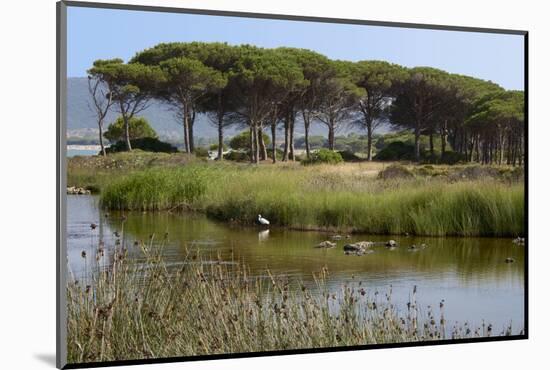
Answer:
(468, 273)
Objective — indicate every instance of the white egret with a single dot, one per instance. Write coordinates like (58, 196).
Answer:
(262, 221)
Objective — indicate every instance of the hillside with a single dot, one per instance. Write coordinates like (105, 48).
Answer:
(81, 120)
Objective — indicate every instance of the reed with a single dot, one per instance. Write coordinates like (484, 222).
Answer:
(134, 308)
(327, 198)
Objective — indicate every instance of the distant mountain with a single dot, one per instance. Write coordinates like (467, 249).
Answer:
(82, 123)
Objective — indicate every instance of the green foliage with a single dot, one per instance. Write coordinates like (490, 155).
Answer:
(349, 156)
(253, 86)
(242, 140)
(129, 83)
(138, 127)
(395, 171)
(315, 142)
(324, 156)
(396, 151)
(237, 156)
(449, 157)
(147, 144)
(329, 197)
(156, 189)
(214, 147)
(201, 152)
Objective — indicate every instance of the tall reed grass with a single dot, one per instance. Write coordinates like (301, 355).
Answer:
(325, 198)
(133, 309)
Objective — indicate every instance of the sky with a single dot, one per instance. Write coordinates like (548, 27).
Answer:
(107, 33)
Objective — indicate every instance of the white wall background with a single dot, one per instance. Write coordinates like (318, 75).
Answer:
(27, 206)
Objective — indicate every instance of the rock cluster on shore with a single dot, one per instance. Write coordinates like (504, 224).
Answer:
(74, 190)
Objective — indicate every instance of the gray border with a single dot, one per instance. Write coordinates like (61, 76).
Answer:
(61, 194)
(289, 17)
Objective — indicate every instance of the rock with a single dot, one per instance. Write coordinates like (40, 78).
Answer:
(358, 248)
(73, 190)
(326, 244)
(509, 260)
(391, 243)
(519, 241)
(336, 237)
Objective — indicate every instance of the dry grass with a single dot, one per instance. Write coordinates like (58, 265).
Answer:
(127, 309)
(344, 198)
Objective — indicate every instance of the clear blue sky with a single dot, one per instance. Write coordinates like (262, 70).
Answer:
(104, 33)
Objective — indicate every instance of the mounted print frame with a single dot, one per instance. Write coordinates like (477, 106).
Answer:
(236, 184)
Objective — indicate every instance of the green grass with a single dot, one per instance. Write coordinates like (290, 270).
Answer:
(96, 172)
(326, 197)
(134, 309)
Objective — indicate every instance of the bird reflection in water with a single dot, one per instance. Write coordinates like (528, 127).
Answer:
(263, 235)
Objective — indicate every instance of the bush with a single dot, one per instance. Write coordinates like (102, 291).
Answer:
(395, 172)
(396, 151)
(139, 128)
(430, 171)
(147, 144)
(453, 158)
(278, 153)
(349, 156)
(324, 156)
(237, 156)
(201, 152)
(214, 147)
(242, 141)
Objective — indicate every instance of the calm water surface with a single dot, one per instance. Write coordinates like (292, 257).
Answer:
(468, 273)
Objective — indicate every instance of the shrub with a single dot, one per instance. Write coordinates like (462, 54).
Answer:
(477, 172)
(201, 152)
(236, 155)
(395, 172)
(147, 144)
(430, 171)
(396, 151)
(453, 158)
(324, 156)
(215, 147)
(278, 153)
(448, 158)
(349, 156)
(242, 141)
(138, 126)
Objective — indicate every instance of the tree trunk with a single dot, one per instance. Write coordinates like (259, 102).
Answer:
(287, 139)
(100, 125)
(273, 138)
(502, 140)
(369, 141)
(417, 143)
(256, 144)
(291, 138)
(127, 132)
(220, 138)
(252, 148)
(443, 140)
(331, 136)
(191, 135)
(186, 131)
(263, 149)
(432, 151)
(306, 129)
